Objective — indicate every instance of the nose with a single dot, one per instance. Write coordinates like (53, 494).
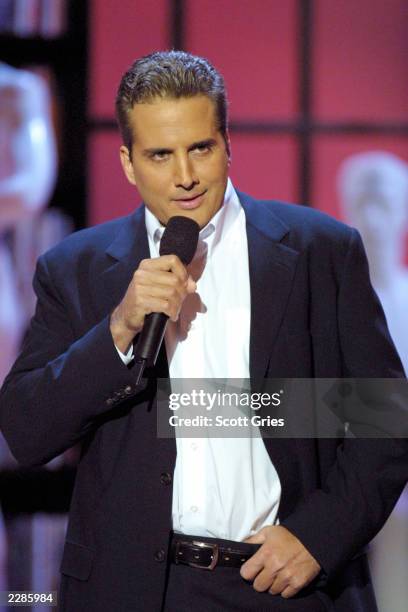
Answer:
(184, 175)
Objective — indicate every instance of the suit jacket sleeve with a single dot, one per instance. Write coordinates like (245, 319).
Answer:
(368, 475)
(60, 386)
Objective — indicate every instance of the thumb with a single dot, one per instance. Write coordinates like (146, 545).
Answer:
(257, 538)
(191, 285)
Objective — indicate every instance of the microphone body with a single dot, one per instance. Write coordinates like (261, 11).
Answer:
(151, 337)
(179, 238)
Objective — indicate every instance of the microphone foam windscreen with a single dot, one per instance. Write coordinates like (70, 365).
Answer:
(180, 238)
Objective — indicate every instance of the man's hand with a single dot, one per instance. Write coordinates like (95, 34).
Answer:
(281, 565)
(158, 285)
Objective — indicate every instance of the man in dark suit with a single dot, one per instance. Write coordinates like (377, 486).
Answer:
(295, 285)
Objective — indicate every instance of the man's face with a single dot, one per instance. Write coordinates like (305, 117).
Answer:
(179, 158)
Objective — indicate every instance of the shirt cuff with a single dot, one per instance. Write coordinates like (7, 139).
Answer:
(126, 357)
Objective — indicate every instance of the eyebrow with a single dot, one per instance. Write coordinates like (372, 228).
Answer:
(208, 142)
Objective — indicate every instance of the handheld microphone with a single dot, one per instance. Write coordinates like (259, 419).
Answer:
(179, 238)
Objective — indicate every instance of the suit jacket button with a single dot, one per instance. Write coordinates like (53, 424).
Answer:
(109, 401)
(128, 390)
(159, 555)
(165, 478)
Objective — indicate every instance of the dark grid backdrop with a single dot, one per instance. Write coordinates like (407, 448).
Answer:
(310, 82)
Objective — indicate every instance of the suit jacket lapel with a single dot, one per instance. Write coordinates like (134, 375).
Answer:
(272, 266)
(271, 269)
(123, 256)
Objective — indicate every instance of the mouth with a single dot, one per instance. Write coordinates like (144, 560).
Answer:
(191, 202)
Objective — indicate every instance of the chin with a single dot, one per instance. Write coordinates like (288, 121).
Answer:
(194, 215)
(202, 221)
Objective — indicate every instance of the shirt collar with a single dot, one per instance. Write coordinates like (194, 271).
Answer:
(215, 229)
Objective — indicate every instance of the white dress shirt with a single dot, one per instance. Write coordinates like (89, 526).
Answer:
(223, 487)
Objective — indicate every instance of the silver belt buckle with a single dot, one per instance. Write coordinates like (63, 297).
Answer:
(214, 556)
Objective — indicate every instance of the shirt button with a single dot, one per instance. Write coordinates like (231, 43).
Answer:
(194, 446)
(159, 555)
(193, 508)
(165, 478)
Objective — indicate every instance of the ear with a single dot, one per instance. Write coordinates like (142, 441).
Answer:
(127, 164)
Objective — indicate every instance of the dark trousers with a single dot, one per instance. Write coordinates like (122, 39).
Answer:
(192, 589)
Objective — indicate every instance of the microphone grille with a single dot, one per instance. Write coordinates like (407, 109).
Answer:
(180, 238)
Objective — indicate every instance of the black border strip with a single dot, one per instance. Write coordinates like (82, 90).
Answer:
(304, 129)
(177, 24)
(331, 128)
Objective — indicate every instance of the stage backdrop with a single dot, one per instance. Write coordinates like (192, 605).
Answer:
(310, 82)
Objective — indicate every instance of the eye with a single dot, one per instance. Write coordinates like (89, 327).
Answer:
(159, 156)
(205, 147)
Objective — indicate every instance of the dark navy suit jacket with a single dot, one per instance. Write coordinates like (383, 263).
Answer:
(313, 314)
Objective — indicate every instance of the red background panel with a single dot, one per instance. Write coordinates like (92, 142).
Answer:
(119, 33)
(327, 154)
(253, 44)
(110, 195)
(360, 60)
(264, 166)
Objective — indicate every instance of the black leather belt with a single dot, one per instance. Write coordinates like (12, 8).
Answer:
(208, 554)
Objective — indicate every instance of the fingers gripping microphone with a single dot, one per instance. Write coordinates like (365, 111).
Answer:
(179, 238)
